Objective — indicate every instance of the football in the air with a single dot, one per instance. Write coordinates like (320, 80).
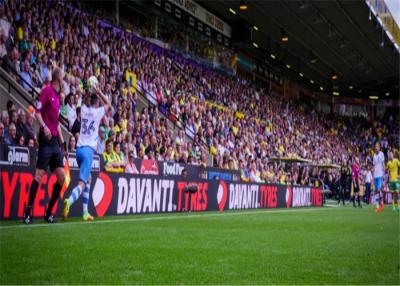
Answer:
(91, 83)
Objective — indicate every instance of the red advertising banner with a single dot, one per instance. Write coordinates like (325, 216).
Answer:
(123, 194)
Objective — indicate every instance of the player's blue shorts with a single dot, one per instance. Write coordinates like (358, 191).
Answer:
(378, 184)
(84, 158)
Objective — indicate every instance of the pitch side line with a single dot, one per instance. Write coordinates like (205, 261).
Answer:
(167, 217)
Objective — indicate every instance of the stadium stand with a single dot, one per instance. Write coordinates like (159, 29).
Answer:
(237, 122)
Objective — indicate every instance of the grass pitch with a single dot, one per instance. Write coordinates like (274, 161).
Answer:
(300, 246)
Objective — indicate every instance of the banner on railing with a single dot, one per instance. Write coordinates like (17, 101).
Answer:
(16, 155)
(131, 78)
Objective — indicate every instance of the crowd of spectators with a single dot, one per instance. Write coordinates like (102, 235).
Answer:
(17, 126)
(240, 123)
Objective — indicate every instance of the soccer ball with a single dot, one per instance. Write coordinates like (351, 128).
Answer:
(91, 83)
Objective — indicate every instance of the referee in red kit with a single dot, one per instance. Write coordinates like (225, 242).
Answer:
(50, 140)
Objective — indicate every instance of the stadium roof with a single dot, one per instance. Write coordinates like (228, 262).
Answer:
(324, 38)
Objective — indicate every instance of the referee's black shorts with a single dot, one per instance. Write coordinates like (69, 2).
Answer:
(49, 153)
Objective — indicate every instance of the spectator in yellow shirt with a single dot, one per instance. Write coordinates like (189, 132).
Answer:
(120, 158)
(111, 162)
(20, 33)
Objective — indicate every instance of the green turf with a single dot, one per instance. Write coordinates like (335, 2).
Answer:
(324, 246)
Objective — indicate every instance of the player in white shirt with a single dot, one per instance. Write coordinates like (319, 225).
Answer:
(379, 169)
(91, 116)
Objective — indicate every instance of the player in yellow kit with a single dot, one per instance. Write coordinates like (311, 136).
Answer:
(393, 168)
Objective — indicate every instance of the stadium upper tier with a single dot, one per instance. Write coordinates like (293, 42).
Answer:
(241, 122)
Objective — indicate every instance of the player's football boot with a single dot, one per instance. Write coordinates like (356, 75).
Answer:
(66, 209)
(379, 209)
(87, 217)
(27, 219)
(49, 218)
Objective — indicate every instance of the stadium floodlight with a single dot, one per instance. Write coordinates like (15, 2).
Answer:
(334, 76)
(311, 81)
(255, 44)
(285, 36)
(273, 56)
(374, 97)
(321, 88)
(313, 58)
(387, 93)
(301, 74)
(243, 6)
(350, 87)
(255, 28)
(232, 11)
(336, 93)
(288, 66)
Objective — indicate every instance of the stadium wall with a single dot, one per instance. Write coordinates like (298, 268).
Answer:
(163, 191)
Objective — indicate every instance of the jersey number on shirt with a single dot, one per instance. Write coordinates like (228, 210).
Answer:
(87, 130)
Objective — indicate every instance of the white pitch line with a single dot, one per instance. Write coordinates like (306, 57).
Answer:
(156, 218)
